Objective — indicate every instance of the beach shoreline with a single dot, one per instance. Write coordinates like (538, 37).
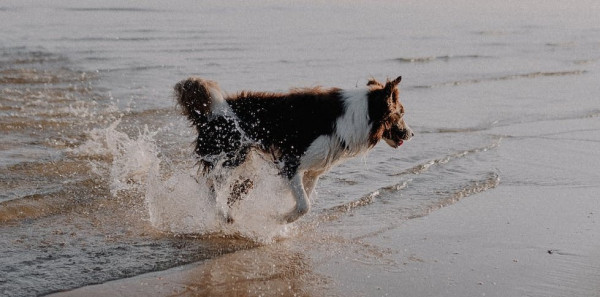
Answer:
(519, 239)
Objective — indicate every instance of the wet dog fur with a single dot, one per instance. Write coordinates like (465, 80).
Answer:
(304, 131)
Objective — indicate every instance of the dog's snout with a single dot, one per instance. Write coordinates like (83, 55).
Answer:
(408, 133)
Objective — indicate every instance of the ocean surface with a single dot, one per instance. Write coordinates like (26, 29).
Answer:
(98, 180)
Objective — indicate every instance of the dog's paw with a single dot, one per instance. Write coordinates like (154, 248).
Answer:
(291, 217)
(284, 220)
(296, 213)
(225, 216)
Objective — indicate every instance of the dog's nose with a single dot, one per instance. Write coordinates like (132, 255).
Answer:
(412, 134)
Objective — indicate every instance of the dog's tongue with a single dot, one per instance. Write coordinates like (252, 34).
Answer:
(400, 142)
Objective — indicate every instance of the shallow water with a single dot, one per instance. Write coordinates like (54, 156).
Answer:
(97, 173)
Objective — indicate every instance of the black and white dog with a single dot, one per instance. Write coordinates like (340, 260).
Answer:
(305, 131)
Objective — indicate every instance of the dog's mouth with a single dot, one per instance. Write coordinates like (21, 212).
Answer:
(394, 144)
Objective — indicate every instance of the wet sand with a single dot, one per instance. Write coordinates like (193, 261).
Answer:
(531, 236)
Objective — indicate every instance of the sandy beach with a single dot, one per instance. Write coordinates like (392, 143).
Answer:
(530, 236)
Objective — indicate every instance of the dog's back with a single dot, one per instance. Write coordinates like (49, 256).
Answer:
(282, 125)
(285, 125)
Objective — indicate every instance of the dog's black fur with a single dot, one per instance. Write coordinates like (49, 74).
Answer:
(302, 130)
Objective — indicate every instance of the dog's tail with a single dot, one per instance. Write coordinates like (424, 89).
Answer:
(200, 98)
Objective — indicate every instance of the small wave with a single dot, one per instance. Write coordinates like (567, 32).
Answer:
(19, 56)
(542, 74)
(63, 199)
(420, 168)
(31, 207)
(136, 68)
(478, 128)
(585, 61)
(45, 107)
(113, 9)
(34, 76)
(413, 211)
(446, 58)
(137, 39)
(503, 78)
(335, 212)
(561, 44)
(444, 199)
(474, 187)
(492, 33)
(417, 59)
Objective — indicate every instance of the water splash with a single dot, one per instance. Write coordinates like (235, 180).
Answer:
(184, 202)
(178, 197)
(132, 158)
(180, 204)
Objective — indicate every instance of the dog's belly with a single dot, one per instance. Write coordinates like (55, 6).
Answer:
(325, 152)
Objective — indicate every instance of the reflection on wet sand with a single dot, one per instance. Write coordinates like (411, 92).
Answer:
(272, 270)
(268, 271)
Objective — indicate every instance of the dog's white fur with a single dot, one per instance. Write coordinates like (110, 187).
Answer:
(352, 129)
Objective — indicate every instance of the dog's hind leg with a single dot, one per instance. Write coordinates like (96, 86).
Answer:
(302, 202)
(214, 181)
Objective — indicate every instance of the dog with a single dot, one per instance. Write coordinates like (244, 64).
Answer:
(304, 132)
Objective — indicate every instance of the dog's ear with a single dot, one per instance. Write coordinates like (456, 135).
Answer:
(374, 82)
(391, 84)
(390, 87)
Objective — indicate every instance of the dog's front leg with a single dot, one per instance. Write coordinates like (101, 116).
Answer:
(302, 202)
(310, 181)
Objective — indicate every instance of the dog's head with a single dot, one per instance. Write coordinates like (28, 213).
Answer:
(386, 113)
